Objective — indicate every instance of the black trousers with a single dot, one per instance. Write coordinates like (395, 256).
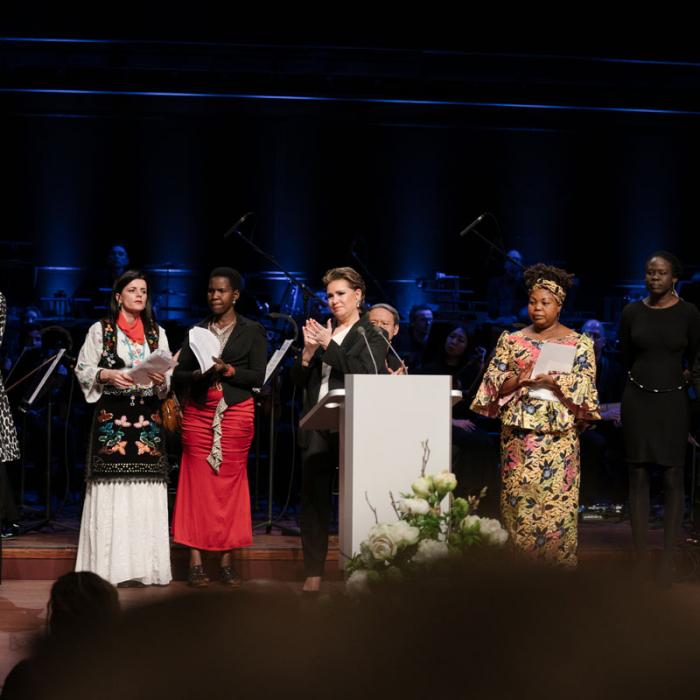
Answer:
(319, 463)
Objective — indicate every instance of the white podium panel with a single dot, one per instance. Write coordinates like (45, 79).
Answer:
(382, 423)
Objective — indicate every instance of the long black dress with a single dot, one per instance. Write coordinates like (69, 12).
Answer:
(655, 343)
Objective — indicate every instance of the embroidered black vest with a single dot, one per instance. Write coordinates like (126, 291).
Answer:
(127, 443)
(110, 359)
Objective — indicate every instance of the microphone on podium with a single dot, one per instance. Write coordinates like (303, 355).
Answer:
(384, 336)
(363, 333)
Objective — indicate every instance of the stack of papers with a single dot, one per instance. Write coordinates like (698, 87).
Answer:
(553, 357)
(158, 361)
(205, 346)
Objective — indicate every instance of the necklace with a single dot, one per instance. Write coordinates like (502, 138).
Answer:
(137, 353)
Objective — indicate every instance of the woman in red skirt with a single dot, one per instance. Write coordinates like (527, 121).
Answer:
(212, 508)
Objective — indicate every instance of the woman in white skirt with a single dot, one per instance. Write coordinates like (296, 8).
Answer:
(124, 528)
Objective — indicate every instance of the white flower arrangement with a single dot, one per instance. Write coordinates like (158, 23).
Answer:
(423, 535)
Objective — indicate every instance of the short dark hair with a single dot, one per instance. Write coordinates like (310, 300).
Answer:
(234, 277)
(129, 276)
(670, 258)
(81, 600)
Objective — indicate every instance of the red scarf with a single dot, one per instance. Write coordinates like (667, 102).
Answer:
(133, 331)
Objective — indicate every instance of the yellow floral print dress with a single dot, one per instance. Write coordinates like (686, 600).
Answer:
(539, 445)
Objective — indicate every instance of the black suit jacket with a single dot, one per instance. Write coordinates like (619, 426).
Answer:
(246, 350)
(350, 357)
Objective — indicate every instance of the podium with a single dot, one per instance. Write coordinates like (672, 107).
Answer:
(382, 420)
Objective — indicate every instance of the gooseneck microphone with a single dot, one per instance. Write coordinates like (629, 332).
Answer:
(381, 332)
(474, 223)
(234, 228)
(363, 333)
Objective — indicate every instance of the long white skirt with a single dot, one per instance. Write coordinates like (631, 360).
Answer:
(124, 533)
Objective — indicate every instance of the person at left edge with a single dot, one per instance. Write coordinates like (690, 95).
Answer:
(124, 526)
(212, 508)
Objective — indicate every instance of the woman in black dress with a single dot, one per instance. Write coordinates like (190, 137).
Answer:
(659, 339)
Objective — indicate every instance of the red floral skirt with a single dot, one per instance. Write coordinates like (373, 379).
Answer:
(212, 510)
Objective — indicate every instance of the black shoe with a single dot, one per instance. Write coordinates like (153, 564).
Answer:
(9, 530)
(197, 577)
(229, 577)
(131, 583)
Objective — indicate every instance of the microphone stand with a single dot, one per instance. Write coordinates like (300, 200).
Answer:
(269, 523)
(306, 291)
(493, 246)
(368, 274)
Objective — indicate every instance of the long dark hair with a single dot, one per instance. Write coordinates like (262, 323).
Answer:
(147, 315)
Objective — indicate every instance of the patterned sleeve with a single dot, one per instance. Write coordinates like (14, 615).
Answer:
(487, 401)
(3, 316)
(578, 386)
(87, 365)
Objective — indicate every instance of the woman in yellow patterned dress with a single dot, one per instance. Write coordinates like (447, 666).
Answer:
(539, 440)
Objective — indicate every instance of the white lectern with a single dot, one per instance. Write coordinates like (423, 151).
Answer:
(382, 420)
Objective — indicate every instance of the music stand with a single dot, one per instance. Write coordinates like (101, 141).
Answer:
(273, 366)
(40, 388)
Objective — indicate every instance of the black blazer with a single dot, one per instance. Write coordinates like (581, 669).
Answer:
(245, 349)
(350, 357)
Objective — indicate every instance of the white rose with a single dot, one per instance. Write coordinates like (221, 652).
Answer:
(380, 542)
(445, 482)
(405, 534)
(357, 583)
(414, 506)
(470, 522)
(422, 487)
(430, 551)
(379, 530)
(493, 532)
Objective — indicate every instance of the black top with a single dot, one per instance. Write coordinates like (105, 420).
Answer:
(656, 345)
(245, 350)
(350, 357)
(656, 342)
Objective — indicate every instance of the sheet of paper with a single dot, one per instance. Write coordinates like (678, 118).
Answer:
(158, 361)
(205, 346)
(276, 358)
(553, 357)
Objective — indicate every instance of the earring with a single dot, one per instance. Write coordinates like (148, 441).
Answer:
(358, 303)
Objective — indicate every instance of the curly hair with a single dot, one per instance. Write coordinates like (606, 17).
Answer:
(670, 258)
(351, 276)
(540, 271)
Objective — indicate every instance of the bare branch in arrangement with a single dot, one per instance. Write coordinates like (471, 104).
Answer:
(394, 506)
(372, 508)
(426, 456)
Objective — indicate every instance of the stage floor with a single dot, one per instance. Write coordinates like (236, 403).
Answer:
(46, 554)
(32, 562)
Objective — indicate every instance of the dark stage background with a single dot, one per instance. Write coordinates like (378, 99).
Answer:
(163, 144)
(378, 145)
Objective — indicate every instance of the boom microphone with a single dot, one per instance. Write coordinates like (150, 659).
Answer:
(474, 223)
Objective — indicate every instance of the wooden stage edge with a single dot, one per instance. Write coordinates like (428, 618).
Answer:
(48, 555)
